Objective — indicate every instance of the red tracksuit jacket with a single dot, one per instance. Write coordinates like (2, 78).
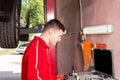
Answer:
(35, 62)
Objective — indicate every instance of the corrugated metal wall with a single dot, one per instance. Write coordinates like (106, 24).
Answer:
(68, 54)
(95, 12)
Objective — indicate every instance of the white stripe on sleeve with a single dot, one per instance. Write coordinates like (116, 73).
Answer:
(36, 65)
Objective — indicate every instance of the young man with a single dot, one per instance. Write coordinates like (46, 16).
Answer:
(35, 62)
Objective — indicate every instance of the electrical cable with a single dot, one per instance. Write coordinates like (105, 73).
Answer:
(81, 15)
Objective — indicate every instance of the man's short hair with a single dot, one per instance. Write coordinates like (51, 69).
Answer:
(54, 23)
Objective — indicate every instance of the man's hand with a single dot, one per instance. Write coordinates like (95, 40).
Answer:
(61, 76)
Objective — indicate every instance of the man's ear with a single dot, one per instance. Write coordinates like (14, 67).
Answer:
(51, 31)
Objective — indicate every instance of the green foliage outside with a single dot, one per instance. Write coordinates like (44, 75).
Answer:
(32, 12)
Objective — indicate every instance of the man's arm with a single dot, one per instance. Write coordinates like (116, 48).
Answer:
(33, 72)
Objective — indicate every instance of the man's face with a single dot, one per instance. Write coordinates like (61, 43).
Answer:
(56, 37)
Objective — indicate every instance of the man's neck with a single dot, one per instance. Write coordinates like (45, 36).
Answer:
(45, 37)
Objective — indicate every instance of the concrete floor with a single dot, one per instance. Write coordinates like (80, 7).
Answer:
(10, 67)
